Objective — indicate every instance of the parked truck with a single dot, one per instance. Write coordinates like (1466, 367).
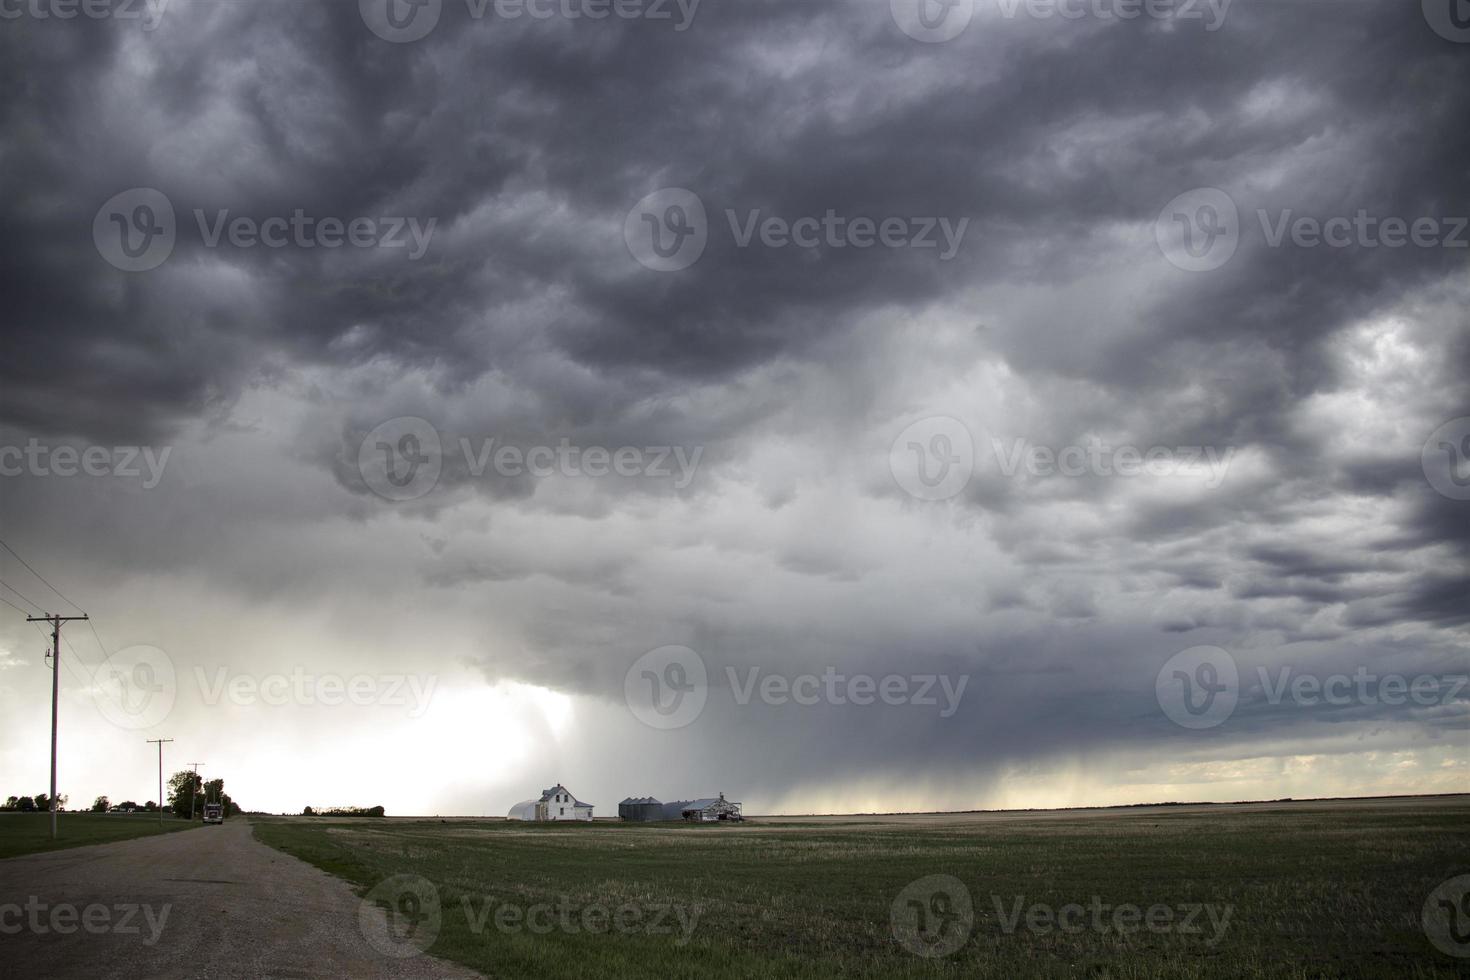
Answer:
(214, 813)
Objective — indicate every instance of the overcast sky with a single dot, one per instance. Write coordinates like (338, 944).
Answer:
(394, 384)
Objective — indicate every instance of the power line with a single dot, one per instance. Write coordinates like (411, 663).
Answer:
(100, 645)
(41, 577)
(23, 596)
(23, 612)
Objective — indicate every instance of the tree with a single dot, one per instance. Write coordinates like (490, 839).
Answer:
(150, 806)
(43, 802)
(12, 803)
(101, 805)
(124, 805)
(183, 786)
(26, 804)
(308, 812)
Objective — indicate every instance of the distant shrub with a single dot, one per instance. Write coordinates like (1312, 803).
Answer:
(348, 811)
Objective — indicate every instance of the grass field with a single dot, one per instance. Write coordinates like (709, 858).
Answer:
(1291, 890)
(26, 833)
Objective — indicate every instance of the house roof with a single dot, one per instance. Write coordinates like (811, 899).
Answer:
(547, 794)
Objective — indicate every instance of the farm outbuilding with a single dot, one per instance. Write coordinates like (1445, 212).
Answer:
(709, 810)
(642, 808)
(556, 803)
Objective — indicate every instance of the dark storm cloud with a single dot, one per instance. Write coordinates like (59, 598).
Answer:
(526, 143)
(752, 107)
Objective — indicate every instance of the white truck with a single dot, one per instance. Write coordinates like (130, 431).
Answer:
(214, 813)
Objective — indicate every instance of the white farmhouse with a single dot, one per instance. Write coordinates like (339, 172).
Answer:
(556, 803)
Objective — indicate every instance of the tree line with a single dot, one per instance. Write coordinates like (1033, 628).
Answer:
(187, 792)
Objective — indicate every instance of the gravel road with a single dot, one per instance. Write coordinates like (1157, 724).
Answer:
(212, 902)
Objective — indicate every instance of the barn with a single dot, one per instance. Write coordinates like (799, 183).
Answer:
(709, 810)
(556, 803)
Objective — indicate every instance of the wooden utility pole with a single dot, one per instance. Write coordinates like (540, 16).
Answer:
(193, 787)
(160, 742)
(55, 622)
